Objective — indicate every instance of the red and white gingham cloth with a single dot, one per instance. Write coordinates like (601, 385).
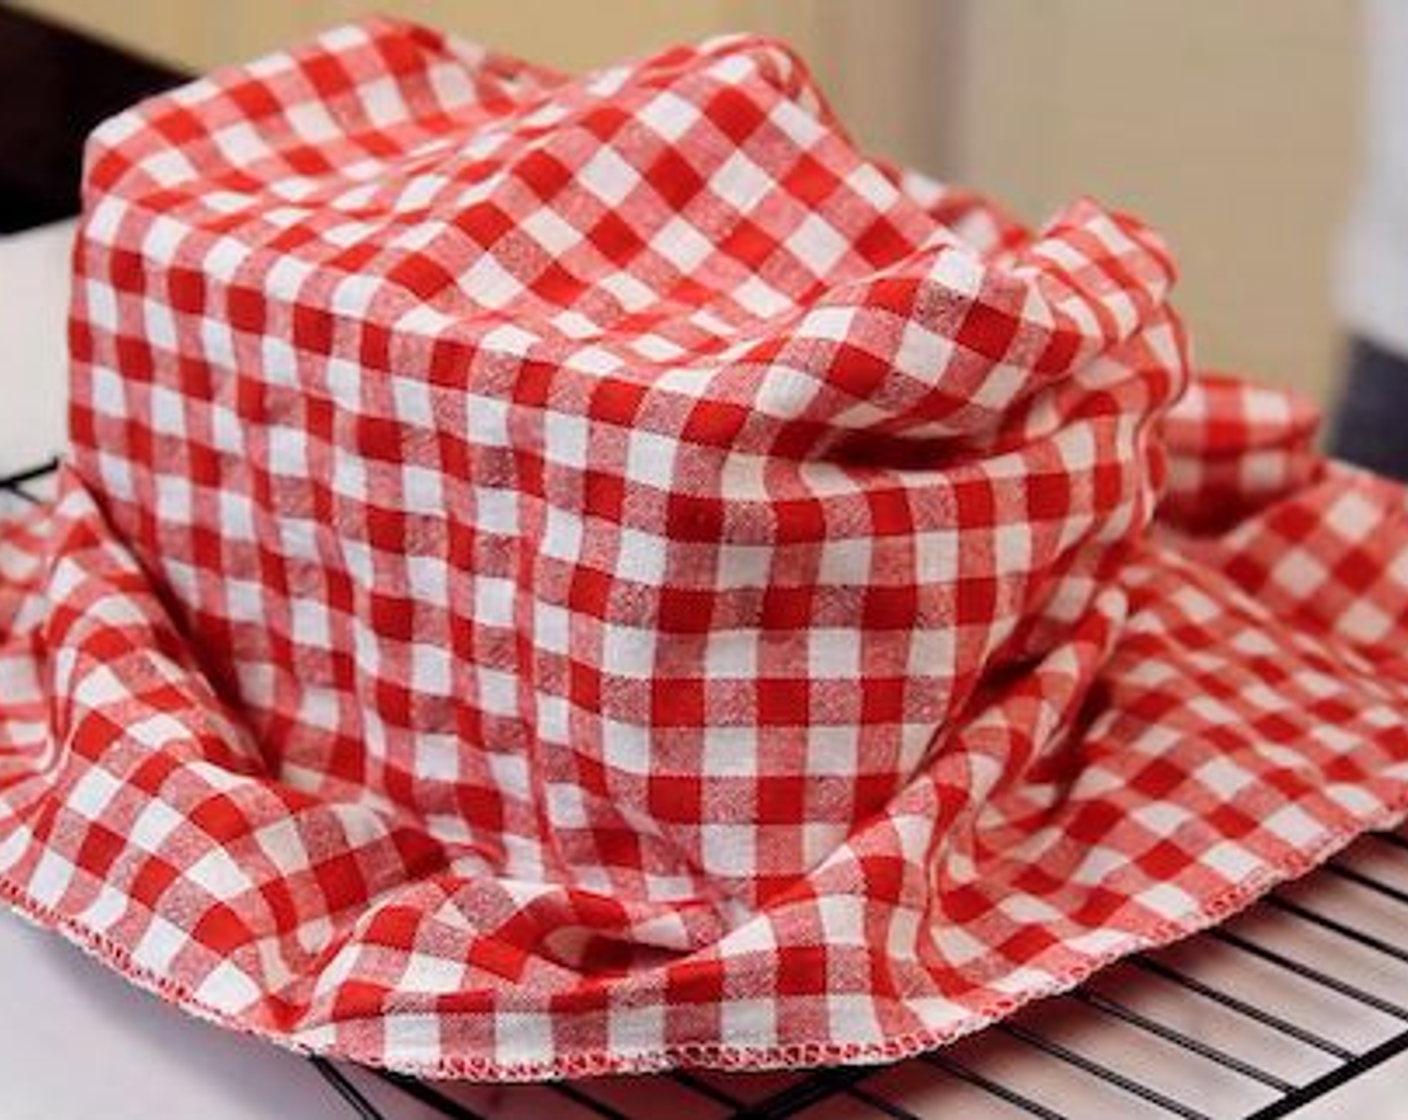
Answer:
(558, 576)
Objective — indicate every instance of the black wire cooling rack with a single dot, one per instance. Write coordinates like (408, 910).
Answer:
(29, 484)
(1254, 1020)
(1305, 992)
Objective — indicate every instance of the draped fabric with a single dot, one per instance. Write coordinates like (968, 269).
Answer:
(557, 575)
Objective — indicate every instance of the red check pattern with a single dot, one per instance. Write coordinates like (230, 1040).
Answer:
(559, 576)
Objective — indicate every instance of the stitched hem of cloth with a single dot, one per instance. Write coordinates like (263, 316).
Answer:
(720, 1055)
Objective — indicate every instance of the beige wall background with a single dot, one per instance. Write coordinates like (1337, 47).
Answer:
(1231, 125)
(1228, 124)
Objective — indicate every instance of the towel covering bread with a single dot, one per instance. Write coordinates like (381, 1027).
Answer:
(564, 575)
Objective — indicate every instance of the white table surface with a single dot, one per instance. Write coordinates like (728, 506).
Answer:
(78, 1042)
(34, 271)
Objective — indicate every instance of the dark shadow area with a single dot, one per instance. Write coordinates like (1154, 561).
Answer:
(55, 86)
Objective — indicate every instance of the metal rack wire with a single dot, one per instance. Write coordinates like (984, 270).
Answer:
(1225, 1025)
(1254, 1020)
(27, 484)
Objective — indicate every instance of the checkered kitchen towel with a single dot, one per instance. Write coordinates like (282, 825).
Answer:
(558, 576)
